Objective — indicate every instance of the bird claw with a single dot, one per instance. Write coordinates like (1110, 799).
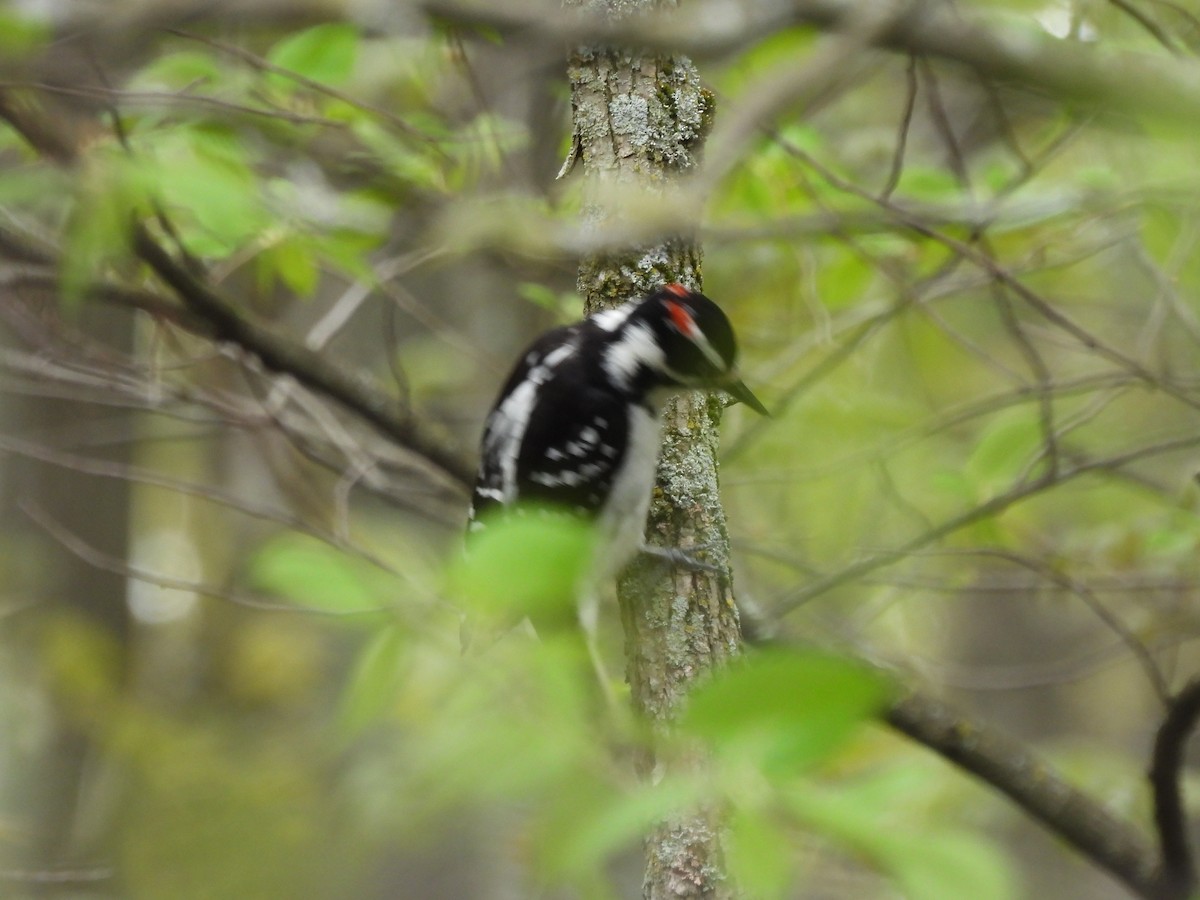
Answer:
(682, 558)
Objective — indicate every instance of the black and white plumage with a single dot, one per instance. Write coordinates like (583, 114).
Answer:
(576, 425)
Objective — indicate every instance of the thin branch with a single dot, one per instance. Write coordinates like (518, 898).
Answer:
(107, 469)
(943, 126)
(309, 367)
(1141, 653)
(174, 97)
(277, 352)
(1041, 372)
(1148, 24)
(990, 508)
(100, 560)
(255, 61)
(1136, 83)
(910, 105)
(1001, 273)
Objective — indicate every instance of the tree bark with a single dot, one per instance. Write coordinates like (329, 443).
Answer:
(640, 121)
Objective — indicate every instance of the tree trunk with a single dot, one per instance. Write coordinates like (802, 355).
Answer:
(640, 120)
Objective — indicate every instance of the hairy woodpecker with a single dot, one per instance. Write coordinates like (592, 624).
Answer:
(577, 423)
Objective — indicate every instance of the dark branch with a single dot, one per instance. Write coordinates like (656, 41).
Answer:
(1136, 83)
(52, 138)
(1007, 766)
(1177, 877)
(310, 368)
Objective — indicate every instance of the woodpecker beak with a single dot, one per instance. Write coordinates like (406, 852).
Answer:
(738, 390)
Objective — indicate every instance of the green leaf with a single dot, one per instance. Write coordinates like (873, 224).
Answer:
(788, 710)
(21, 36)
(561, 304)
(761, 858)
(112, 191)
(180, 69)
(324, 53)
(347, 252)
(416, 166)
(525, 563)
(295, 261)
(1004, 450)
(317, 575)
(927, 183)
(592, 819)
(928, 864)
(207, 187)
(947, 866)
(375, 682)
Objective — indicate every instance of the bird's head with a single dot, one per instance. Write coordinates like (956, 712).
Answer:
(697, 340)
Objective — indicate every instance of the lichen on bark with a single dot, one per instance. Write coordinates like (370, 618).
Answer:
(640, 121)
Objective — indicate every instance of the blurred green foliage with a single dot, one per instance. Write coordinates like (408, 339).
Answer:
(973, 459)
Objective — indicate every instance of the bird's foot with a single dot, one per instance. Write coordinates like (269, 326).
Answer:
(682, 559)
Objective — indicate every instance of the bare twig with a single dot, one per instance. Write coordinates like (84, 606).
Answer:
(255, 61)
(1136, 83)
(100, 560)
(277, 352)
(108, 469)
(992, 267)
(1150, 26)
(910, 105)
(307, 366)
(942, 124)
(109, 95)
(986, 510)
(1131, 642)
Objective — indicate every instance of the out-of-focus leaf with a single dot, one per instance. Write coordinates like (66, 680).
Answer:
(417, 166)
(347, 251)
(82, 660)
(183, 68)
(562, 304)
(948, 866)
(761, 858)
(928, 864)
(844, 281)
(112, 192)
(314, 574)
(788, 710)
(779, 51)
(528, 563)
(207, 184)
(21, 35)
(517, 724)
(273, 663)
(295, 262)
(594, 819)
(1004, 450)
(324, 53)
(375, 682)
(925, 183)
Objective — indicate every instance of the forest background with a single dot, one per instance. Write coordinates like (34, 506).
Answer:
(263, 267)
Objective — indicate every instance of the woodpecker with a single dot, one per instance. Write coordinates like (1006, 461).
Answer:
(577, 423)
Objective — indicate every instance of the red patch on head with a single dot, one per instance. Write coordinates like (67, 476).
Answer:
(682, 318)
(677, 289)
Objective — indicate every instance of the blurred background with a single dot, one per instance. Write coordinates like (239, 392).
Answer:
(229, 659)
